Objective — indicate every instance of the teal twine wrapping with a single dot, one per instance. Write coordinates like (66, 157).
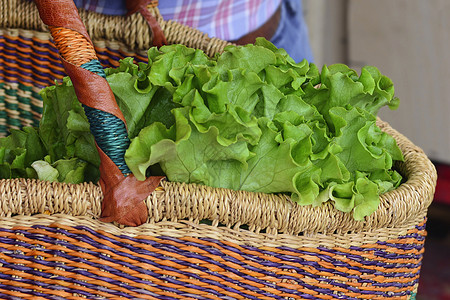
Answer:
(109, 131)
(95, 67)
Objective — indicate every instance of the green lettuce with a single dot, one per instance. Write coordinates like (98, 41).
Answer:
(18, 151)
(252, 119)
(63, 170)
(248, 119)
(62, 148)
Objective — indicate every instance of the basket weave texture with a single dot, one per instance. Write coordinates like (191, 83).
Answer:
(252, 246)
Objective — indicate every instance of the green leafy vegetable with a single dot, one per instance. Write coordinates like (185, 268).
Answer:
(249, 119)
(64, 130)
(252, 119)
(62, 149)
(18, 151)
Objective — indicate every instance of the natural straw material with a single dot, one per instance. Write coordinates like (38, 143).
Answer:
(72, 257)
(31, 58)
(258, 211)
(131, 30)
(240, 236)
(29, 62)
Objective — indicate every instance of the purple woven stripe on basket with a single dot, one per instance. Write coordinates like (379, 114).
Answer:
(44, 52)
(359, 259)
(101, 266)
(174, 249)
(28, 70)
(316, 266)
(298, 270)
(86, 273)
(31, 68)
(214, 251)
(51, 264)
(285, 266)
(137, 269)
(42, 284)
(188, 254)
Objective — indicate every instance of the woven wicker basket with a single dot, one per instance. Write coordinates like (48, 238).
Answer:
(259, 246)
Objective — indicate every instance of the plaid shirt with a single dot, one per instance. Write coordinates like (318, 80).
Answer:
(224, 19)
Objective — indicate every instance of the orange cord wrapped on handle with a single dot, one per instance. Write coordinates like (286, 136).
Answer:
(123, 193)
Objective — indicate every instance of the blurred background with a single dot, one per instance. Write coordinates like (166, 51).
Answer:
(409, 41)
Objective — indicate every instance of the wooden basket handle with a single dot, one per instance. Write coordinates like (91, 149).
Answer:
(123, 193)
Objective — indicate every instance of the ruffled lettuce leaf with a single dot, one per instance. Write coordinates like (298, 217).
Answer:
(252, 119)
(18, 151)
(249, 119)
(62, 148)
(64, 170)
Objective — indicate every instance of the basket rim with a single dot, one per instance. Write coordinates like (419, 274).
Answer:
(277, 213)
(190, 229)
(131, 30)
(272, 213)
